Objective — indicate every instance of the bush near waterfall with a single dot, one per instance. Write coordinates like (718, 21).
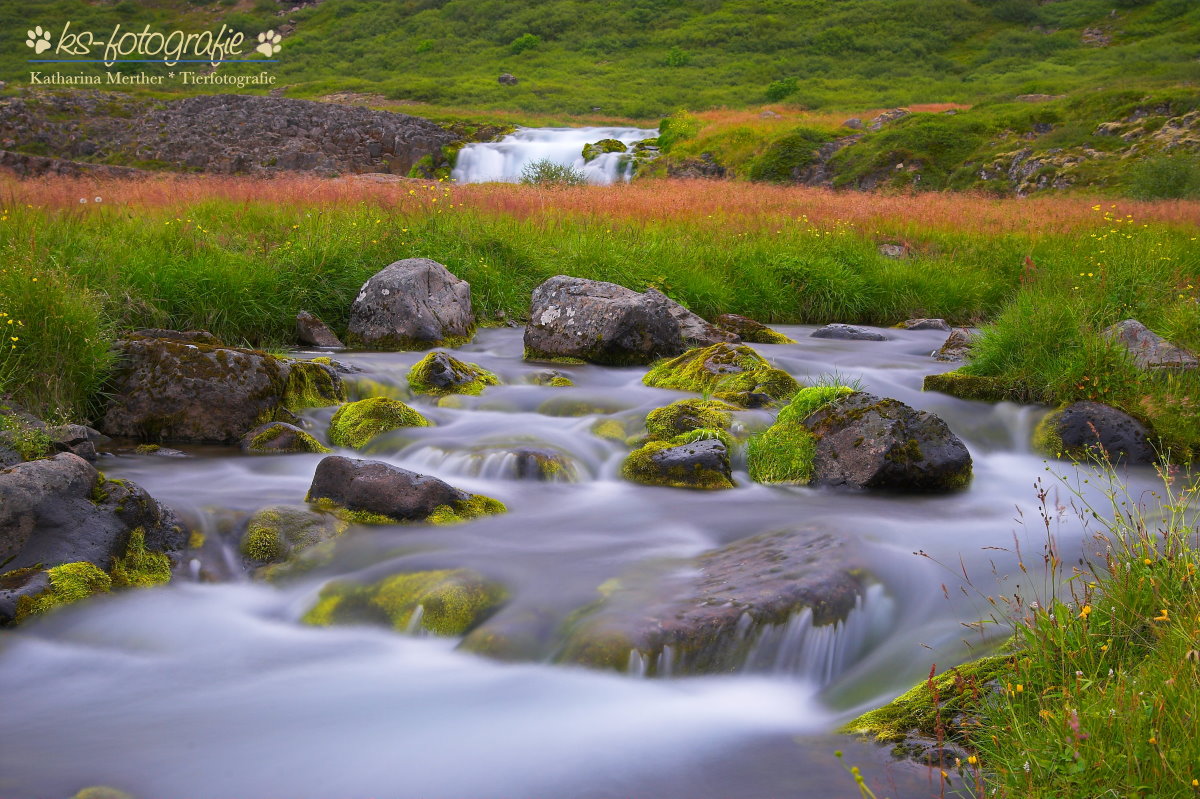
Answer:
(545, 172)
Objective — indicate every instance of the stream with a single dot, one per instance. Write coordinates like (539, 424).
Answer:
(213, 690)
(505, 159)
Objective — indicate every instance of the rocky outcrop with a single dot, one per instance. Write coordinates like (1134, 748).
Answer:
(170, 390)
(32, 166)
(732, 373)
(1149, 350)
(589, 320)
(848, 333)
(705, 166)
(887, 117)
(684, 416)
(706, 616)
(379, 493)
(750, 331)
(439, 374)
(414, 304)
(225, 133)
(63, 526)
(1085, 430)
(312, 331)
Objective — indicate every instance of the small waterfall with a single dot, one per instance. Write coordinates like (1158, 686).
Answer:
(503, 160)
(501, 463)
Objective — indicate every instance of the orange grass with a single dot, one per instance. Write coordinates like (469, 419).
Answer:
(737, 205)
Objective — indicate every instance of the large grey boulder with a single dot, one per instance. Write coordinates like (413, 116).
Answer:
(1148, 349)
(608, 324)
(707, 615)
(414, 304)
(863, 441)
(1091, 429)
(169, 390)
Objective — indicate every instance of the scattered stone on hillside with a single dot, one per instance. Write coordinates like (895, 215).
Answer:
(819, 173)
(1038, 98)
(589, 320)
(1096, 37)
(887, 117)
(61, 520)
(222, 133)
(893, 250)
(278, 438)
(356, 423)
(278, 532)
(373, 492)
(854, 123)
(957, 346)
(1084, 430)
(312, 331)
(705, 166)
(750, 331)
(28, 166)
(696, 460)
(507, 79)
(444, 602)
(594, 150)
(863, 441)
(732, 373)
(414, 304)
(706, 616)
(769, 114)
(1149, 350)
(926, 324)
(440, 374)
(848, 333)
(1029, 171)
(170, 390)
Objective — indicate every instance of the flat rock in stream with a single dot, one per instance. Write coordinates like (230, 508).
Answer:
(848, 333)
(706, 616)
(589, 320)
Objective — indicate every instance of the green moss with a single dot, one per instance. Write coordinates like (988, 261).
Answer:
(263, 544)
(765, 335)
(609, 428)
(29, 441)
(574, 406)
(356, 423)
(466, 378)
(450, 602)
(312, 385)
(959, 690)
(560, 381)
(139, 567)
(640, 466)
(808, 400)
(365, 388)
(102, 792)
(196, 539)
(147, 449)
(352, 516)
(69, 583)
(729, 372)
(682, 416)
(17, 578)
(594, 150)
(471, 508)
(1047, 439)
(970, 387)
(533, 355)
(784, 452)
(303, 442)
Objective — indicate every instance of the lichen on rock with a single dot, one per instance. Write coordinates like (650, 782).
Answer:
(356, 423)
(733, 373)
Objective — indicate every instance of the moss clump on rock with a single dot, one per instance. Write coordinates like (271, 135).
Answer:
(471, 508)
(668, 464)
(785, 452)
(733, 373)
(312, 385)
(266, 440)
(933, 704)
(69, 583)
(682, 416)
(593, 150)
(351, 516)
(439, 374)
(102, 792)
(610, 429)
(973, 387)
(445, 602)
(140, 567)
(356, 423)
(274, 534)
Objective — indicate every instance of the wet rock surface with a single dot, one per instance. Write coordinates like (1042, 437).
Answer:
(414, 304)
(848, 333)
(380, 488)
(1083, 430)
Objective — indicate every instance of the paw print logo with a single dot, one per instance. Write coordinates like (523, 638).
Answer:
(38, 39)
(268, 43)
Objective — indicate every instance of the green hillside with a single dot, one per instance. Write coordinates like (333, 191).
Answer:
(646, 58)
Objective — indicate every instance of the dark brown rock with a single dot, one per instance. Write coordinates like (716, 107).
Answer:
(312, 331)
(380, 488)
(1091, 429)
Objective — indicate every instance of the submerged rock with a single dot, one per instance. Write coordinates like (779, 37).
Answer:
(750, 331)
(311, 330)
(1083, 430)
(1149, 350)
(589, 320)
(61, 512)
(167, 390)
(373, 492)
(706, 616)
(957, 345)
(447, 602)
(731, 373)
(354, 424)
(699, 459)
(414, 304)
(440, 374)
(278, 438)
(848, 333)
(552, 378)
(276, 533)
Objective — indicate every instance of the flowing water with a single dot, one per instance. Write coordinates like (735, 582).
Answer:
(505, 159)
(214, 690)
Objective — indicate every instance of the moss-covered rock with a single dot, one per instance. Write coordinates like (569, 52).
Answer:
(698, 459)
(102, 792)
(573, 403)
(970, 387)
(784, 452)
(276, 533)
(593, 150)
(446, 602)
(356, 423)
(684, 416)
(278, 438)
(140, 567)
(733, 373)
(464, 510)
(439, 374)
(552, 378)
(750, 331)
(68, 583)
(311, 384)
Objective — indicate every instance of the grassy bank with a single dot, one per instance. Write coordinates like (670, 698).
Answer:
(241, 257)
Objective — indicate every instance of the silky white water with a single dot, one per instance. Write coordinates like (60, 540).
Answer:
(213, 691)
(504, 160)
